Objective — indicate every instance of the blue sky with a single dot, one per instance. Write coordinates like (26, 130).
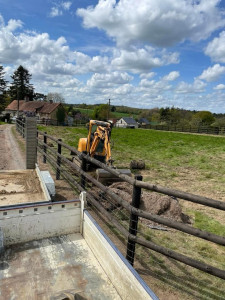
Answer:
(145, 53)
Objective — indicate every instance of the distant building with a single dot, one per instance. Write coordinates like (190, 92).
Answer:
(127, 122)
(143, 122)
(41, 110)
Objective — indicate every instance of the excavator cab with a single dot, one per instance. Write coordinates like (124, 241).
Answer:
(97, 144)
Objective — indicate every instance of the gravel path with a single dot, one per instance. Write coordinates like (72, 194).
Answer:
(11, 157)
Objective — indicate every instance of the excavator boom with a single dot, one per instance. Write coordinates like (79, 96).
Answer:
(97, 145)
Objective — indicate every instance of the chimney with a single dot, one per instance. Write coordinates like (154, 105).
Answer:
(50, 101)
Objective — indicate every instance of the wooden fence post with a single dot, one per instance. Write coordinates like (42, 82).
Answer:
(136, 200)
(58, 160)
(45, 148)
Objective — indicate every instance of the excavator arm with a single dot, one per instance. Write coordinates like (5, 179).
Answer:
(101, 144)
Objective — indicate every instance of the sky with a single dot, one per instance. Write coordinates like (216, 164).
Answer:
(144, 54)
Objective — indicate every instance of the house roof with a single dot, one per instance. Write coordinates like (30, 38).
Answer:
(144, 120)
(49, 107)
(129, 120)
(33, 106)
(13, 105)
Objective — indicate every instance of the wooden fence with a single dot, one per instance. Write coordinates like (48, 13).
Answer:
(191, 129)
(57, 154)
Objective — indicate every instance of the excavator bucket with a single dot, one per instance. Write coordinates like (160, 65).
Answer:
(108, 178)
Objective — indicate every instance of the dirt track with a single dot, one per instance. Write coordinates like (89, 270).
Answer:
(11, 157)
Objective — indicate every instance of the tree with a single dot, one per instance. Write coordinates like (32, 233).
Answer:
(55, 97)
(101, 112)
(61, 114)
(3, 84)
(206, 117)
(39, 97)
(21, 87)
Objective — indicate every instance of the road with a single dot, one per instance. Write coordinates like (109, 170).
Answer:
(11, 157)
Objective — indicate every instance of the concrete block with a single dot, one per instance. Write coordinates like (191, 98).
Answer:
(49, 182)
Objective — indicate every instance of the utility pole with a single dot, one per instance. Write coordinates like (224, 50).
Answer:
(108, 111)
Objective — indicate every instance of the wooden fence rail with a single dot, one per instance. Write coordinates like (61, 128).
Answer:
(63, 165)
(140, 213)
(191, 129)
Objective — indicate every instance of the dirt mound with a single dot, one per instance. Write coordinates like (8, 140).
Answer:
(152, 202)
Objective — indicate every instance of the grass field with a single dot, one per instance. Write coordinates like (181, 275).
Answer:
(188, 162)
(172, 159)
(115, 114)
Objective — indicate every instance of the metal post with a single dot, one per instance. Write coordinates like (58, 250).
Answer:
(45, 148)
(84, 168)
(59, 160)
(136, 200)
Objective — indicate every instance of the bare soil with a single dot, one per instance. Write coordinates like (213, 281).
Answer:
(11, 157)
(152, 202)
(20, 186)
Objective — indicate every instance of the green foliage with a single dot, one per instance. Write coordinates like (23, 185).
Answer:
(205, 117)
(3, 96)
(39, 97)
(101, 112)
(4, 101)
(61, 114)
(219, 122)
(113, 108)
(21, 87)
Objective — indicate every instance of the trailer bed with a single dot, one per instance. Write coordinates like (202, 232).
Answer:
(49, 268)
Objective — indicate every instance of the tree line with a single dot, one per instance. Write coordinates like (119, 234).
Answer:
(156, 116)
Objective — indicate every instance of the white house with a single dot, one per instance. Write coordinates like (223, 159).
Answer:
(127, 122)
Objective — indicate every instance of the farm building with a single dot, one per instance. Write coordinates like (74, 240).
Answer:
(127, 122)
(143, 121)
(40, 109)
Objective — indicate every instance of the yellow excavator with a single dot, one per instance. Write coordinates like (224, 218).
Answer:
(98, 145)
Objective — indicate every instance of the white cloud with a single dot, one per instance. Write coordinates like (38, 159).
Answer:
(109, 80)
(86, 64)
(161, 23)
(198, 86)
(147, 75)
(55, 12)
(143, 60)
(156, 87)
(66, 5)
(212, 73)
(14, 24)
(171, 76)
(59, 8)
(216, 48)
(125, 89)
(220, 87)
